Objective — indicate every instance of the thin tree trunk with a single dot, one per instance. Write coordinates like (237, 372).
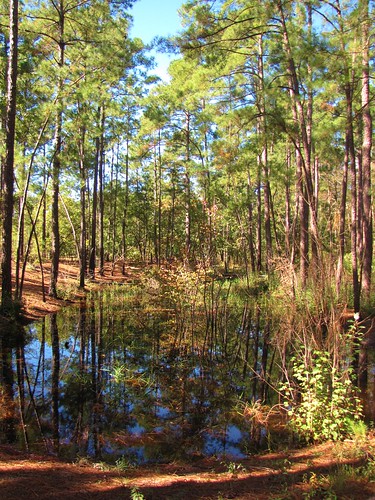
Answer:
(114, 224)
(250, 212)
(76, 242)
(56, 166)
(23, 205)
(263, 158)
(349, 145)
(92, 259)
(288, 223)
(27, 250)
(159, 195)
(344, 188)
(259, 220)
(304, 172)
(366, 153)
(101, 194)
(187, 193)
(8, 167)
(126, 205)
(82, 243)
(156, 207)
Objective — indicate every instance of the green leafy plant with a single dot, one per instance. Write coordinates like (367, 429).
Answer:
(135, 494)
(318, 487)
(322, 402)
(123, 464)
(234, 467)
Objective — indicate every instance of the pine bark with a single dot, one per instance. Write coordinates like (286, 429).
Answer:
(366, 154)
(56, 166)
(8, 167)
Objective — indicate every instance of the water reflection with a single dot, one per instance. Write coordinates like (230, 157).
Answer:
(122, 376)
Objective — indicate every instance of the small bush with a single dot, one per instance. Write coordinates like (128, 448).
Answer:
(322, 402)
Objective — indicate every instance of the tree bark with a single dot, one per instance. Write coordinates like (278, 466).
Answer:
(366, 153)
(349, 145)
(101, 192)
(8, 168)
(92, 259)
(82, 241)
(56, 166)
(263, 157)
(187, 194)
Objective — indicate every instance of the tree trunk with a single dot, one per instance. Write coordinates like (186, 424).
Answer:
(55, 241)
(114, 205)
(187, 193)
(349, 145)
(156, 221)
(8, 168)
(366, 153)
(82, 241)
(250, 222)
(126, 205)
(92, 259)
(344, 188)
(101, 193)
(308, 207)
(259, 221)
(263, 157)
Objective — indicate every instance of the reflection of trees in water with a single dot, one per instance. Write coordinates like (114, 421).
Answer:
(122, 372)
(55, 393)
(8, 406)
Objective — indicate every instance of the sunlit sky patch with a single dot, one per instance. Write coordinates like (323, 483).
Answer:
(156, 18)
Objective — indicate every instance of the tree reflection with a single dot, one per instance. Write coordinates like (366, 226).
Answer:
(55, 392)
(133, 375)
(8, 407)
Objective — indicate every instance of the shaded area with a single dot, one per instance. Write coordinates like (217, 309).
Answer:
(260, 477)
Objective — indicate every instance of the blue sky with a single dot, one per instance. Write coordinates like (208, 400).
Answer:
(156, 18)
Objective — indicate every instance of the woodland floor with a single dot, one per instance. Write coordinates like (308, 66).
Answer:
(311, 472)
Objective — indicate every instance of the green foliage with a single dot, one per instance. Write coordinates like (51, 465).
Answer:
(124, 464)
(318, 487)
(358, 430)
(323, 403)
(335, 484)
(135, 494)
(234, 467)
(68, 291)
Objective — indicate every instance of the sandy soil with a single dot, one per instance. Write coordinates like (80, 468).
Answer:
(35, 304)
(291, 474)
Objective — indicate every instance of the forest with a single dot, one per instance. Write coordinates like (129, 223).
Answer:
(256, 154)
(250, 166)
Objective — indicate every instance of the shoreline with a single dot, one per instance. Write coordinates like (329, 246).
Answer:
(33, 305)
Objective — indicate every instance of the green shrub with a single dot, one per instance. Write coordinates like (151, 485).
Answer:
(322, 400)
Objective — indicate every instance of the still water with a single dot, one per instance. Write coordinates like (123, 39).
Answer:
(147, 374)
(142, 376)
